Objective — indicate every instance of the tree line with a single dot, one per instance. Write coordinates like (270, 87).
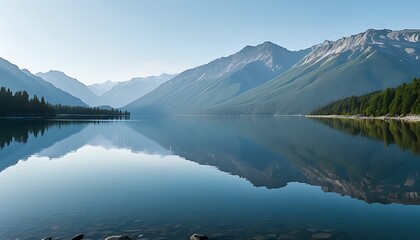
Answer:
(19, 104)
(400, 101)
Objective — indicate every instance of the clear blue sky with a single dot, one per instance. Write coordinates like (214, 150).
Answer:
(99, 40)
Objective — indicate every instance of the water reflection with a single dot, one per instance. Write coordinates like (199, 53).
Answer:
(272, 152)
(268, 152)
(167, 178)
(15, 131)
(405, 135)
(22, 139)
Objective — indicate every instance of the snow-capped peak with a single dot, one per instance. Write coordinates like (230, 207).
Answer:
(271, 55)
(408, 40)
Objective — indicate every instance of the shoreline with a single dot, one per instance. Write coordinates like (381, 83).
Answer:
(65, 117)
(409, 118)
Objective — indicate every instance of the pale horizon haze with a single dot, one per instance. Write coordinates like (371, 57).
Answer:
(95, 41)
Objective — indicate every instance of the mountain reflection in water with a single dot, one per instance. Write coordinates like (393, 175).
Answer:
(267, 151)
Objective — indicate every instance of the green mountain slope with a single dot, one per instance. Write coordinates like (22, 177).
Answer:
(359, 64)
(217, 81)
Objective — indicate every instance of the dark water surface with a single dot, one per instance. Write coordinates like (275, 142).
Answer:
(226, 177)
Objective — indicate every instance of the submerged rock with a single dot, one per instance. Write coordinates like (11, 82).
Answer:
(321, 235)
(120, 237)
(78, 237)
(196, 236)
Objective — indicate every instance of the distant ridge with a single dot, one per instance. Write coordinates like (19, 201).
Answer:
(118, 94)
(126, 92)
(70, 85)
(101, 88)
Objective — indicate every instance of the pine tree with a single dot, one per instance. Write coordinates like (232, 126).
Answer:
(403, 100)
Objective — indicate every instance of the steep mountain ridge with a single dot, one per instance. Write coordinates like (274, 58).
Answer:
(407, 40)
(218, 80)
(355, 65)
(18, 80)
(70, 85)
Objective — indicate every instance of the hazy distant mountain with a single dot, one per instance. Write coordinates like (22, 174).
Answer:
(218, 81)
(17, 80)
(70, 85)
(355, 65)
(118, 95)
(101, 88)
(124, 93)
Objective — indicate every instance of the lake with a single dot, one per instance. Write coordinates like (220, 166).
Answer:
(225, 177)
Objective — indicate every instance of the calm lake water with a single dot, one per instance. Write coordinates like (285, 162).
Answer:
(226, 177)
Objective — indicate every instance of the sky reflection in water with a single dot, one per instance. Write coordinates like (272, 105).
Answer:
(230, 178)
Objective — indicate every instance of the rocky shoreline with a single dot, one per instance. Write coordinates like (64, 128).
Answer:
(409, 118)
(308, 233)
(195, 236)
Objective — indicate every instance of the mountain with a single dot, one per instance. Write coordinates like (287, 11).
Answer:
(124, 93)
(101, 88)
(355, 65)
(17, 80)
(118, 95)
(70, 85)
(218, 81)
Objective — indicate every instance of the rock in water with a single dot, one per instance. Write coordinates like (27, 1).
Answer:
(196, 236)
(118, 238)
(321, 235)
(78, 237)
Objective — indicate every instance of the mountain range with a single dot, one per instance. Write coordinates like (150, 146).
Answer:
(355, 65)
(126, 92)
(218, 81)
(114, 94)
(268, 79)
(101, 88)
(258, 80)
(17, 80)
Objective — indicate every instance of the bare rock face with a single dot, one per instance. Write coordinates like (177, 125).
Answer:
(118, 238)
(196, 236)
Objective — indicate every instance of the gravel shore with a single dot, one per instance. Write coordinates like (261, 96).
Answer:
(409, 118)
